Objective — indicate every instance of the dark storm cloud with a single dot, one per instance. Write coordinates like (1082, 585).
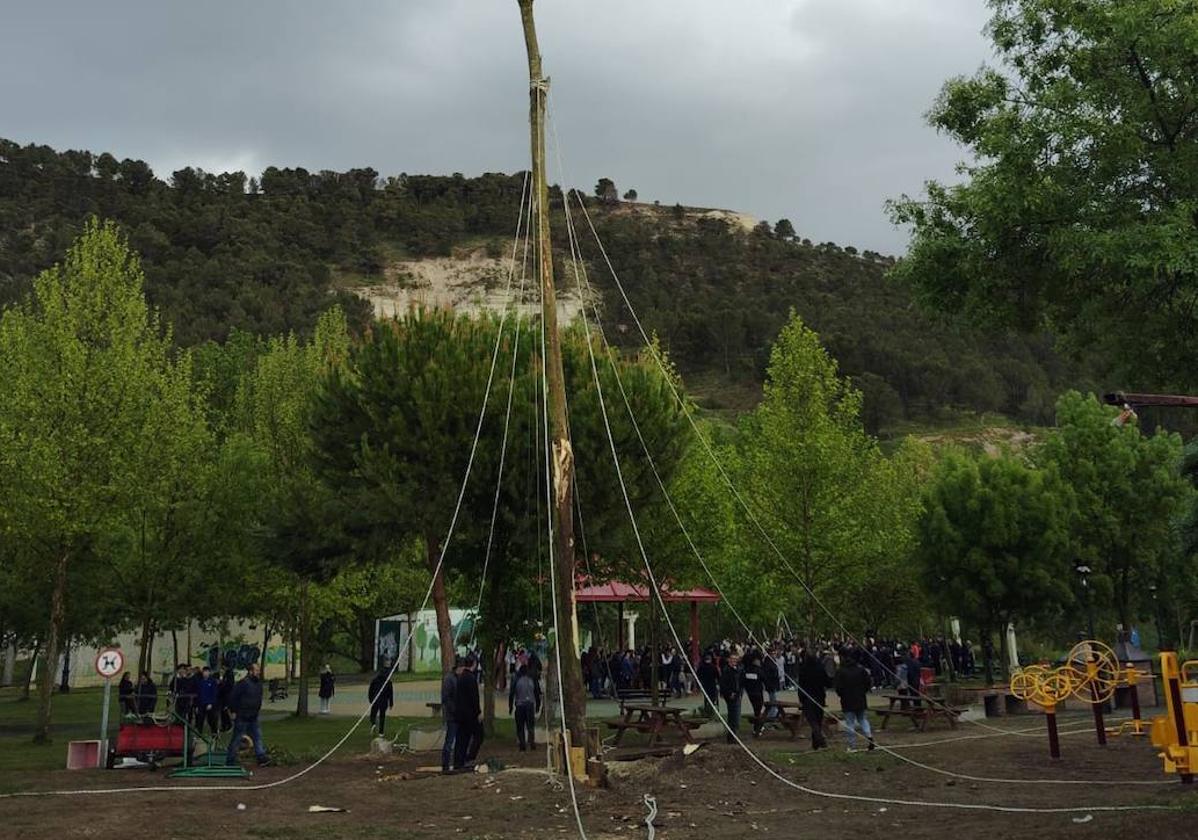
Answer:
(809, 109)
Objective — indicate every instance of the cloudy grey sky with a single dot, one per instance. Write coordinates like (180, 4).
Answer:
(808, 109)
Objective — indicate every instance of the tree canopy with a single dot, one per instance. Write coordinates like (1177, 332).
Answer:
(1077, 211)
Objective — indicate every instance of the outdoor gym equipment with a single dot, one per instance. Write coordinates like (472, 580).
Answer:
(1176, 732)
(150, 740)
(1091, 674)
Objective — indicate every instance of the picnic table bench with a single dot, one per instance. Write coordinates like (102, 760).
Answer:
(652, 720)
(920, 711)
(790, 716)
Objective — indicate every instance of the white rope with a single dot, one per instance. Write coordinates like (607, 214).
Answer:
(427, 595)
(507, 418)
(651, 804)
(690, 666)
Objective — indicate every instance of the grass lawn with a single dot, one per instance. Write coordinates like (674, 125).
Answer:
(76, 716)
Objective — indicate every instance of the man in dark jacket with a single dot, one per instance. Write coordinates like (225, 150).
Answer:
(125, 692)
(731, 686)
(814, 683)
(182, 691)
(709, 681)
(245, 703)
(524, 700)
(206, 702)
(852, 684)
(914, 670)
(466, 709)
(755, 688)
(328, 686)
(223, 692)
(147, 695)
(449, 692)
(381, 697)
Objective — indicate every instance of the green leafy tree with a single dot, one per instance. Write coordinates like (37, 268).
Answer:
(815, 480)
(393, 432)
(994, 542)
(156, 546)
(84, 365)
(631, 195)
(359, 594)
(1127, 492)
(301, 531)
(605, 191)
(1078, 208)
(784, 230)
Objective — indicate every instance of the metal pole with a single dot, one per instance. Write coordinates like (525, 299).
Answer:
(1054, 740)
(1100, 727)
(104, 720)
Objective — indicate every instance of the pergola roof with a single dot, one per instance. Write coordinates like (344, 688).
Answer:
(616, 591)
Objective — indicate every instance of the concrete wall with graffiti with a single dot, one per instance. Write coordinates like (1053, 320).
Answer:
(422, 651)
(238, 644)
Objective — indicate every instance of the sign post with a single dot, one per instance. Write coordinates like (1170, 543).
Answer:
(109, 663)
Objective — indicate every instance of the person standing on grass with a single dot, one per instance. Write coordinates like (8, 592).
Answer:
(125, 694)
(466, 709)
(182, 692)
(524, 699)
(381, 697)
(327, 687)
(731, 687)
(449, 692)
(223, 692)
(206, 702)
(852, 684)
(147, 695)
(244, 705)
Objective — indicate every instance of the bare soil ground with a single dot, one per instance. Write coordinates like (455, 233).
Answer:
(715, 793)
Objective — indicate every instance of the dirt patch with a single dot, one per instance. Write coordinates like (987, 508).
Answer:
(715, 793)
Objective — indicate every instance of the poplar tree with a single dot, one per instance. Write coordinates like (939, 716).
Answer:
(815, 481)
(84, 365)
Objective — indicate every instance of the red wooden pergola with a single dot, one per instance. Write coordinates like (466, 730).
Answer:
(618, 592)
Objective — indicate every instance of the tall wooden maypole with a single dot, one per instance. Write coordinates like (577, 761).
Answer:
(573, 695)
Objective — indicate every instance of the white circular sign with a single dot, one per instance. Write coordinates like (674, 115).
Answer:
(109, 662)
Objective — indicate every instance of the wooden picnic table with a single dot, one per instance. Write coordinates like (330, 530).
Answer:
(919, 710)
(790, 716)
(652, 720)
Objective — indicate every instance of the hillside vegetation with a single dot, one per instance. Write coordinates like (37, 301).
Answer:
(268, 254)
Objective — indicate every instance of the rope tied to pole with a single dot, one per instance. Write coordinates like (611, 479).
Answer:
(540, 85)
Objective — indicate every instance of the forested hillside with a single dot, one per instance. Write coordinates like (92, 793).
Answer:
(265, 255)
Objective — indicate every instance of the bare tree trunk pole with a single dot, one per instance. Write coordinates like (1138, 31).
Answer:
(573, 697)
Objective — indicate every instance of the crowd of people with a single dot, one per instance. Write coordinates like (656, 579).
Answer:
(611, 674)
(727, 675)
